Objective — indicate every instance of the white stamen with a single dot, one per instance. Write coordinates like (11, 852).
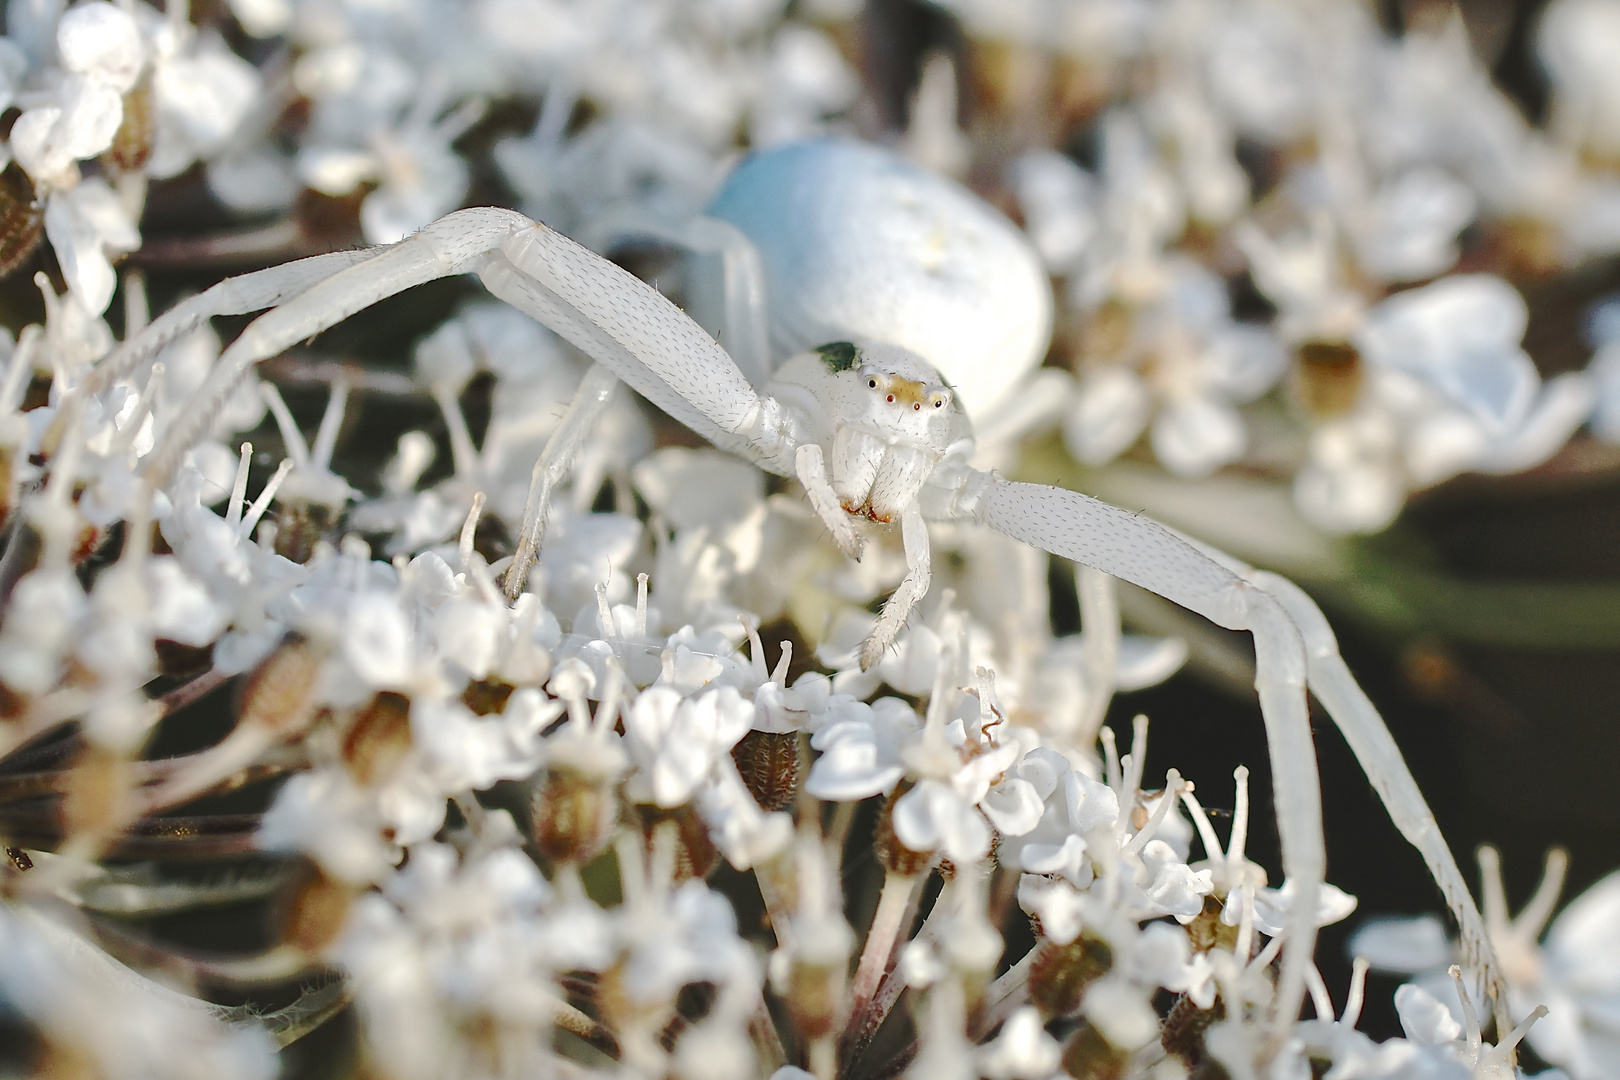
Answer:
(784, 661)
(1533, 919)
(1321, 1000)
(297, 449)
(604, 614)
(469, 529)
(1358, 991)
(320, 454)
(143, 405)
(1172, 787)
(1499, 1053)
(137, 313)
(1206, 831)
(238, 503)
(1240, 822)
(1470, 1018)
(262, 503)
(641, 605)
(1111, 774)
(19, 368)
(462, 453)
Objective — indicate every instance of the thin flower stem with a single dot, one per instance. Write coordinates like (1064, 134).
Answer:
(766, 1039)
(199, 687)
(1008, 992)
(888, 924)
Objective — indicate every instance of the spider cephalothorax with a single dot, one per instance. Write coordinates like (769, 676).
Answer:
(883, 416)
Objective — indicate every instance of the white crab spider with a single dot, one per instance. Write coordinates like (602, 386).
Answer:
(829, 419)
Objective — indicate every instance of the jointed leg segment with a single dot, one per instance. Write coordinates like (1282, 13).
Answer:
(913, 587)
(1293, 647)
(811, 467)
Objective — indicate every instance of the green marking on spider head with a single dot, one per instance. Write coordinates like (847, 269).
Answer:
(838, 355)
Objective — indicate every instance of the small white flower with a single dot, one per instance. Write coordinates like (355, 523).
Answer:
(85, 223)
(676, 741)
(1023, 1050)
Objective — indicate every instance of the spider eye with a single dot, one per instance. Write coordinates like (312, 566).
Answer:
(939, 403)
(891, 399)
(916, 406)
(872, 383)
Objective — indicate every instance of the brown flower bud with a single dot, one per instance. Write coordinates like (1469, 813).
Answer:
(1327, 377)
(769, 762)
(815, 998)
(1059, 974)
(894, 855)
(314, 913)
(22, 220)
(132, 145)
(573, 814)
(1184, 1029)
(1091, 1057)
(280, 693)
(485, 697)
(695, 853)
(299, 527)
(378, 738)
(1207, 931)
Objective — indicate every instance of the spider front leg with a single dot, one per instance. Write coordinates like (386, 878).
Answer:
(454, 244)
(810, 465)
(233, 296)
(913, 587)
(1369, 739)
(1146, 553)
(628, 327)
(1293, 647)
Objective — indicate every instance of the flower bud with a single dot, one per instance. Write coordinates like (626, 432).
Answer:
(573, 814)
(1090, 1056)
(894, 855)
(1059, 974)
(1327, 378)
(280, 694)
(1183, 1031)
(300, 526)
(1207, 931)
(378, 738)
(485, 697)
(132, 144)
(695, 853)
(22, 220)
(315, 912)
(770, 762)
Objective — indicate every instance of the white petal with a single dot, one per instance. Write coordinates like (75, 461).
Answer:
(1179, 890)
(694, 488)
(1023, 1050)
(1403, 946)
(1110, 409)
(931, 817)
(377, 641)
(1197, 435)
(1145, 661)
(1585, 938)
(1092, 804)
(101, 40)
(1564, 404)
(1064, 860)
(1243, 361)
(1013, 806)
(1423, 1018)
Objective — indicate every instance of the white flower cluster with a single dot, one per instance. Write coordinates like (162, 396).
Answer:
(497, 820)
(1364, 159)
